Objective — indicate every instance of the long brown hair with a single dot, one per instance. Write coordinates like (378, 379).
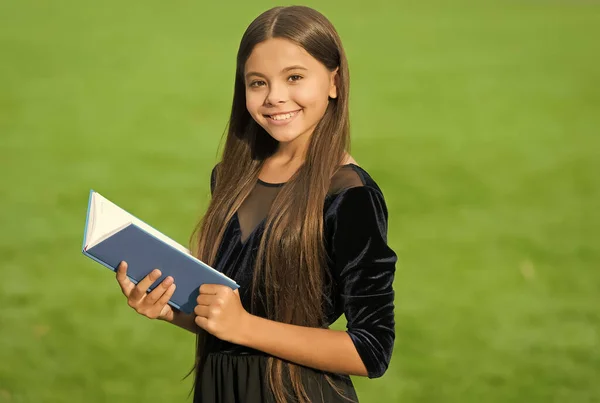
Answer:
(291, 257)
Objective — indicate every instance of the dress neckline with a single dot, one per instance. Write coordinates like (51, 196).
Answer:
(277, 185)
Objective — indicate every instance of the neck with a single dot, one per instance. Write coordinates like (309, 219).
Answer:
(293, 151)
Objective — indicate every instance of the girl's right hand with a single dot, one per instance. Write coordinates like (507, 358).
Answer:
(154, 304)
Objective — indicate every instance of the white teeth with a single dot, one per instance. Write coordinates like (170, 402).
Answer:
(283, 116)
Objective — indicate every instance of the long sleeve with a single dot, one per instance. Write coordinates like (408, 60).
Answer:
(364, 267)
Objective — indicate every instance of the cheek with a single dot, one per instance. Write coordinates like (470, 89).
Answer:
(253, 102)
(311, 97)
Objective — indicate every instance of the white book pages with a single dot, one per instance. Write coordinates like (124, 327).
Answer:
(106, 218)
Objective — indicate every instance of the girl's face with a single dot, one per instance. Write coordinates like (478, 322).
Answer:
(287, 90)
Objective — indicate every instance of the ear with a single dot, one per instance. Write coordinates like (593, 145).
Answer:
(333, 79)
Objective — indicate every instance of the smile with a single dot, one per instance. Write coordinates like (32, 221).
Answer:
(283, 117)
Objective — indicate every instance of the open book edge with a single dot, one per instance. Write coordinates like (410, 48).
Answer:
(105, 218)
(97, 230)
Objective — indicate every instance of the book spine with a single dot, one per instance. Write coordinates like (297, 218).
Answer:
(87, 220)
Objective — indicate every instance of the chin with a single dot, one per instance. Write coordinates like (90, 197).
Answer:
(285, 136)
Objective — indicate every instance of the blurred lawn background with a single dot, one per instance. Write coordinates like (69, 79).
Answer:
(478, 119)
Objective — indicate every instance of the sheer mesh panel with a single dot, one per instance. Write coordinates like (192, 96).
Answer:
(255, 208)
(345, 178)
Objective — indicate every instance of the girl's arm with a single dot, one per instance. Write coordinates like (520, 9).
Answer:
(324, 349)
(220, 312)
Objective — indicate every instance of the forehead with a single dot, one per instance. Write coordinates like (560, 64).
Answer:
(275, 54)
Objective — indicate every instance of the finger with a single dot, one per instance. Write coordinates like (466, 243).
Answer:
(164, 299)
(202, 310)
(202, 322)
(155, 294)
(209, 288)
(124, 282)
(204, 299)
(140, 289)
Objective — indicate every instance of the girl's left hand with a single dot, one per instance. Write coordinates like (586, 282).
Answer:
(220, 312)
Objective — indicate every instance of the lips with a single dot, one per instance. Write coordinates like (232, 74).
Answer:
(281, 119)
(283, 116)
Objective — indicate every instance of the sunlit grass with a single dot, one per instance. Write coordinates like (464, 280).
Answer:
(479, 123)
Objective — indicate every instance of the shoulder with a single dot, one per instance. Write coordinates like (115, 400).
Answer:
(352, 191)
(357, 211)
(348, 159)
(351, 176)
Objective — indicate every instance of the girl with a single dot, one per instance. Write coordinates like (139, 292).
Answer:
(296, 223)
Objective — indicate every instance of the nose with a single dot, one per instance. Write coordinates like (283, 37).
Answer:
(277, 94)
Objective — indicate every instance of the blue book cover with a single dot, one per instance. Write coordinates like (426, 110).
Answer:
(112, 235)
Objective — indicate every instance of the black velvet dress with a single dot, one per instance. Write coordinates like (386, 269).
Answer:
(362, 267)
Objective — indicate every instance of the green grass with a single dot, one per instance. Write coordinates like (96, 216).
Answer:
(478, 119)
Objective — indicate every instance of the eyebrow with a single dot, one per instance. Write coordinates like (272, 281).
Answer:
(295, 67)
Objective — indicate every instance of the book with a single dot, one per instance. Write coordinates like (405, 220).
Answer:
(112, 235)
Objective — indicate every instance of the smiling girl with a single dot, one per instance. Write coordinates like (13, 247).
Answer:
(296, 223)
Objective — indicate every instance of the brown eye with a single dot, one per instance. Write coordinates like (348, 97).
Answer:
(295, 77)
(257, 83)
